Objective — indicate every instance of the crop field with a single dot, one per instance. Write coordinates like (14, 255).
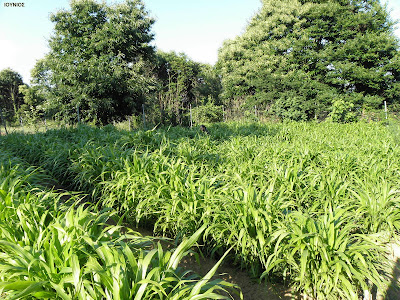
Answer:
(57, 249)
(311, 205)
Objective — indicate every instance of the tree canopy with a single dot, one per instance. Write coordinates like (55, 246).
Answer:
(10, 99)
(181, 83)
(297, 57)
(97, 59)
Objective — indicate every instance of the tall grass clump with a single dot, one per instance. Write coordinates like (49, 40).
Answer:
(51, 249)
(314, 205)
(325, 259)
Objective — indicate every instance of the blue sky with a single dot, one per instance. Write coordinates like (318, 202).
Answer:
(195, 27)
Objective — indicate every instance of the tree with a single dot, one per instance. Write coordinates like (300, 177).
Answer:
(182, 83)
(96, 61)
(9, 94)
(208, 113)
(33, 107)
(176, 78)
(297, 56)
(208, 87)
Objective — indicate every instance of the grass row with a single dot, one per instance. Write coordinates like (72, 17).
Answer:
(311, 204)
(50, 249)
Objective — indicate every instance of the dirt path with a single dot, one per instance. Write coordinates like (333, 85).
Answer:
(252, 290)
(393, 292)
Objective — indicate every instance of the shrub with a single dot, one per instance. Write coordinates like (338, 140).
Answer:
(207, 113)
(342, 112)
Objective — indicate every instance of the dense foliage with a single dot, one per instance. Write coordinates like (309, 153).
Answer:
(181, 84)
(297, 60)
(315, 205)
(297, 57)
(97, 59)
(312, 204)
(208, 113)
(10, 97)
(57, 249)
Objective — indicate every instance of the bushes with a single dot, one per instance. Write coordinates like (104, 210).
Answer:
(208, 113)
(341, 112)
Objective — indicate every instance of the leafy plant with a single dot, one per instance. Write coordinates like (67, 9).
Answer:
(68, 251)
(282, 196)
(341, 112)
(207, 113)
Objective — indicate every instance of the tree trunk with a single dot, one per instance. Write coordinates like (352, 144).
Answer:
(13, 95)
(3, 120)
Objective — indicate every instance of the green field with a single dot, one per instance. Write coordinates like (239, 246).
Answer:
(314, 205)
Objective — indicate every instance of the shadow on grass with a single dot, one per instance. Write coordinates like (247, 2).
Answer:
(224, 131)
(393, 291)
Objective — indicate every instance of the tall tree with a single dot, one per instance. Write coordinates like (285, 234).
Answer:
(208, 87)
(182, 83)
(96, 59)
(297, 56)
(177, 77)
(10, 99)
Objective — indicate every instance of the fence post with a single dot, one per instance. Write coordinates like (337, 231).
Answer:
(223, 113)
(129, 121)
(191, 117)
(21, 123)
(385, 110)
(144, 117)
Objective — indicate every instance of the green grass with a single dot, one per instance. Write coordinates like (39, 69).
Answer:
(310, 204)
(50, 249)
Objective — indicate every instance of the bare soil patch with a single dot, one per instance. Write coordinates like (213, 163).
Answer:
(250, 288)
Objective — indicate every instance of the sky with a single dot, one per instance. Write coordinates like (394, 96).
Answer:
(195, 27)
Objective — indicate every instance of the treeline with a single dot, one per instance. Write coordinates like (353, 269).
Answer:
(297, 60)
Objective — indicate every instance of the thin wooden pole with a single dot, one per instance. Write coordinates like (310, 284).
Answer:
(385, 110)
(144, 117)
(191, 117)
